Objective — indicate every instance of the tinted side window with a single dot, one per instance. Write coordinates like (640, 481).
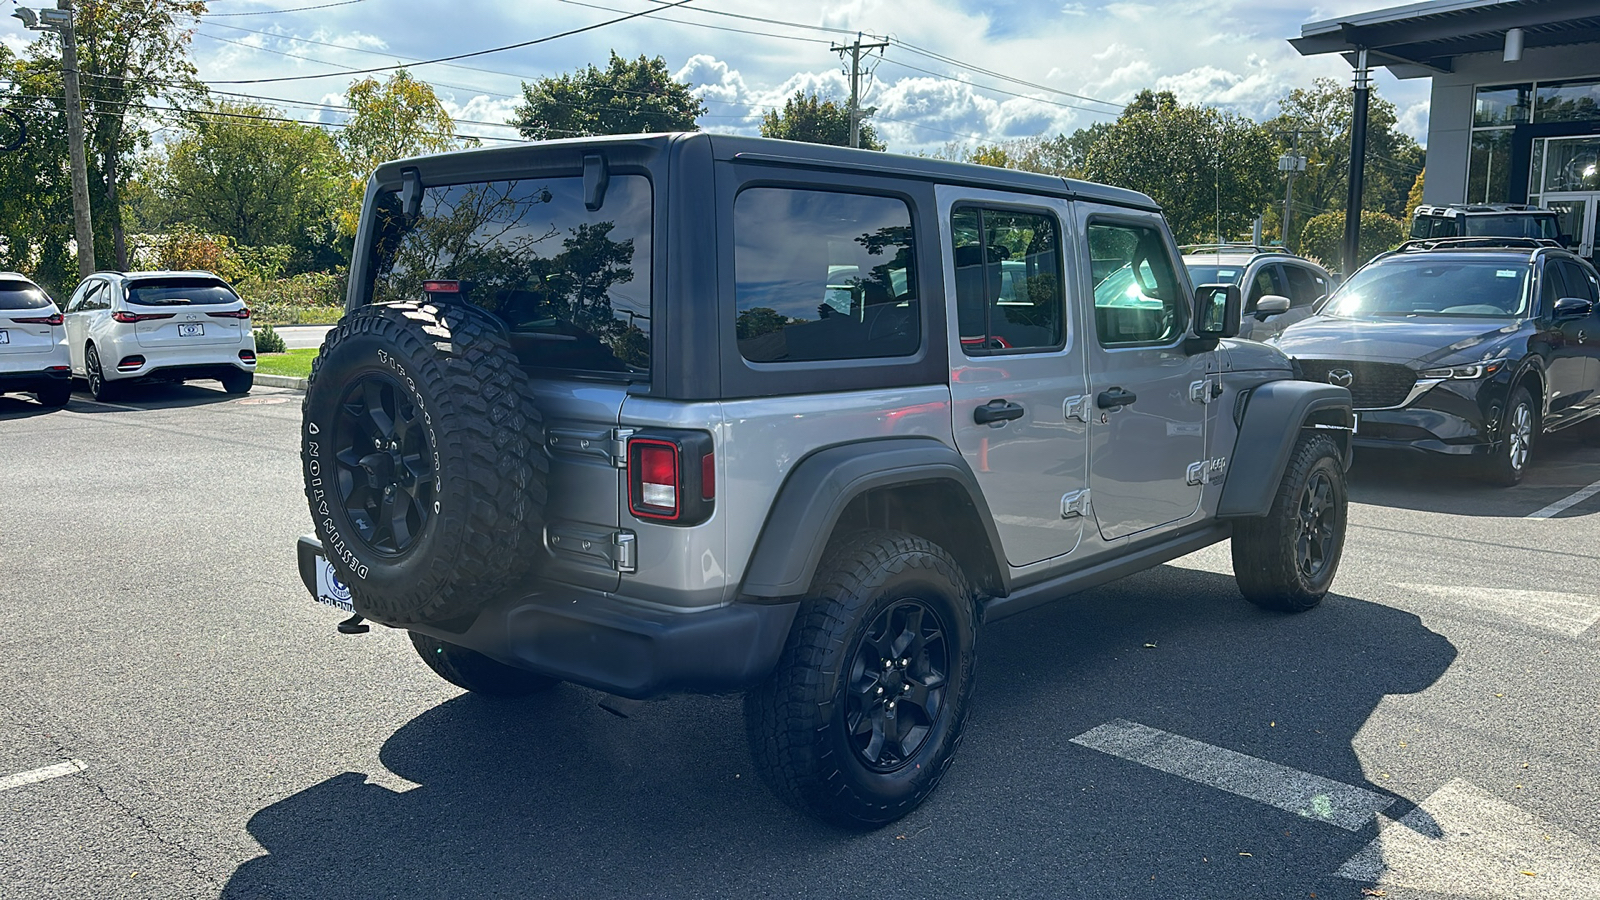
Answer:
(1137, 298)
(79, 297)
(1551, 286)
(571, 285)
(823, 275)
(1008, 281)
(1305, 286)
(1267, 281)
(1578, 282)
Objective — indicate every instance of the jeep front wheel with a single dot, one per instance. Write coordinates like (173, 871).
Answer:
(1286, 559)
(863, 714)
(422, 462)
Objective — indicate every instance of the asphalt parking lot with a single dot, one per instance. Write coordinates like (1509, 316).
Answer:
(180, 720)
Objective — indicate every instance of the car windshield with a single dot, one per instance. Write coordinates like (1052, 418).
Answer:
(1215, 274)
(1435, 285)
(21, 295)
(180, 291)
(1538, 226)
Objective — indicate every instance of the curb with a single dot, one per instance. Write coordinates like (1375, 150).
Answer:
(281, 381)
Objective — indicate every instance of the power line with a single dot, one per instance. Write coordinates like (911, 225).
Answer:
(275, 12)
(783, 37)
(452, 58)
(982, 87)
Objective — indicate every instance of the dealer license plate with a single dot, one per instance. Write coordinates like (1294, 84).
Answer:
(192, 330)
(330, 589)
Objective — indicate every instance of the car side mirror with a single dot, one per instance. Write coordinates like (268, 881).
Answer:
(1217, 311)
(1271, 305)
(1569, 308)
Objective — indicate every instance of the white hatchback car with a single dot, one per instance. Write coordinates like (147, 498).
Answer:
(127, 327)
(33, 342)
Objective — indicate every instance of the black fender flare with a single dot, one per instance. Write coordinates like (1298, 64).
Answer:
(1269, 425)
(820, 487)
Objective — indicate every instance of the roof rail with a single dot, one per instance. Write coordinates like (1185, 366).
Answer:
(1490, 242)
(1217, 248)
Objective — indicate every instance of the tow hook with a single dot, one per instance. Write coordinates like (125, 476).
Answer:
(354, 625)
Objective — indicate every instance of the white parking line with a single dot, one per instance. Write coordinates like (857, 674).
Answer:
(107, 405)
(1563, 613)
(45, 774)
(1301, 793)
(1567, 502)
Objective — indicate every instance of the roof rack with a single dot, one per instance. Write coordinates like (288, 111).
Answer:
(1477, 243)
(1240, 247)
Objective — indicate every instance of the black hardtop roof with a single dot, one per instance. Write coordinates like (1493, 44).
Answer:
(769, 151)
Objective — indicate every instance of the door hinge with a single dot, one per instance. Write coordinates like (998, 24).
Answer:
(1204, 391)
(1075, 504)
(619, 446)
(610, 445)
(625, 552)
(1076, 408)
(612, 549)
(1206, 470)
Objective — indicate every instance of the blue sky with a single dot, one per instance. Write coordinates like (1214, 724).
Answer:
(940, 81)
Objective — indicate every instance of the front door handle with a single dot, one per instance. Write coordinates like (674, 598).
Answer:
(1114, 398)
(996, 411)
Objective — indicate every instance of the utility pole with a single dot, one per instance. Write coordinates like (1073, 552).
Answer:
(1291, 164)
(856, 113)
(59, 20)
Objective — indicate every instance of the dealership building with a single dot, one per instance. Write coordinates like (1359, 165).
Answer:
(1514, 115)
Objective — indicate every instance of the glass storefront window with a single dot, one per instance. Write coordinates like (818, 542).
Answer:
(1566, 101)
(1571, 165)
(1489, 166)
(1502, 105)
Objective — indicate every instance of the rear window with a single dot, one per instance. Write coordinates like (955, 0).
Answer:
(180, 292)
(571, 285)
(21, 295)
(822, 275)
(1513, 226)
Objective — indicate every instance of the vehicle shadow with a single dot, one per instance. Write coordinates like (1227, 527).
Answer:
(553, 797)
(160, 395)
(17, 406)
(1562, 463)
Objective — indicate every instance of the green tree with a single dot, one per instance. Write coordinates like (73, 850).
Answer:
(257, 182)
(627, 97)
(1212, 172)
(1414, 198)
(809, 118)
(391, 119)
(1323, 237)
(35, 187)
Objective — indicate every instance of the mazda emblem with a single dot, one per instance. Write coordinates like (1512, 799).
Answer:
(1341, 377)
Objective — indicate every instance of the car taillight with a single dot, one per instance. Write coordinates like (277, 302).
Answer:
(671, 476)
(128, 318)
(232, 314)
(41, 320)
(441, 286)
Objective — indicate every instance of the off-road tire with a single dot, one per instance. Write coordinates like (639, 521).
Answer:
(796, 720)
(100, 387)
(483, 493)
(1269, 561)
(1519, 430)
(238, 382)
(54, 396)
(472, 671)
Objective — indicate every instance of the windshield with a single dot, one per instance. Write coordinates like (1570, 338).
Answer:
(1215, 274)
(180, 292)
(1513, 226)
(21, 295)
(1433, 285)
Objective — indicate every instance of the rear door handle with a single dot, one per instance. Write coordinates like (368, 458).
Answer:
(1114, 398)
(996, 411)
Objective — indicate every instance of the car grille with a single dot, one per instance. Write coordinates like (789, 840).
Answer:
(1372, 385)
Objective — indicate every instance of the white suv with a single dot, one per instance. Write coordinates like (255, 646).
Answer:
(124, 327)
(33, 342)
(1279, 288)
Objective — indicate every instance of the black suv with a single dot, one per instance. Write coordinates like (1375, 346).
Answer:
(1464, 346)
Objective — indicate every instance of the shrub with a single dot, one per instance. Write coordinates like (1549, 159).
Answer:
(269, 341)
(1322, 238)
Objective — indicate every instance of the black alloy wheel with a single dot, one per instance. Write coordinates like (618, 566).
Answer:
(99, 388)
(384, 463)
(898, 675)
(1317, 533)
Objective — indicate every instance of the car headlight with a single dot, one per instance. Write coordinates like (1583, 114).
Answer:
(1476, 370)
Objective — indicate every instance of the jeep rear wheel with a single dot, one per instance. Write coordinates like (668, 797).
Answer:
(422, 463)
(1286, 559)
(863, 714)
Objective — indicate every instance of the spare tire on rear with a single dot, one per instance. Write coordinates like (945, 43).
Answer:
(423, 460)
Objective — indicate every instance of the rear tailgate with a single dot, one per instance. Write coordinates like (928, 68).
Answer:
(21, 338)
(178, 311)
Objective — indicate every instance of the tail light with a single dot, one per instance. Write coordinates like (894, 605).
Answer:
(671, 476)
(232, 314)
(441, 286)
(41, 320)
(128, 318)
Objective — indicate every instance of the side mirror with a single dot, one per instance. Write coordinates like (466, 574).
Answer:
(1217, 311)
(1569, 308)
(1271, 305)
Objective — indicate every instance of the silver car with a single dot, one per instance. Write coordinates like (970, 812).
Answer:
(1279, 288)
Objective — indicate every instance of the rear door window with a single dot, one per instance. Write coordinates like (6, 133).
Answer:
(823, 275)
(1008, 281)
(573, 286)
(21, 295)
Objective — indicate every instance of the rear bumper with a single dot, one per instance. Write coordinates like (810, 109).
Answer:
(33, 380)
(613, 644)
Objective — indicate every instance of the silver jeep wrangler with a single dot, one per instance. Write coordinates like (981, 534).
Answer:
(696, 413)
